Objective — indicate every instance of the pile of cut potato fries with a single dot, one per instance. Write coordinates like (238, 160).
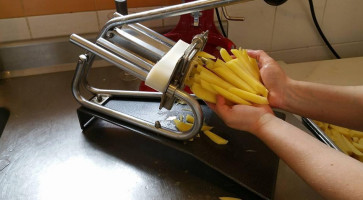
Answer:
(236, 78)
(349, 141)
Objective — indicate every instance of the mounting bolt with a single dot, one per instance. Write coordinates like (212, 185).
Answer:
(157, 124)
(99, 98)
(110, 34)
(82, 59)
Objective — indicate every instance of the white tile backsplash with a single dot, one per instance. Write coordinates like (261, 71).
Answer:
(302, 54)
(351, 49)
(63, 24)
(287, 32)
(256, 31)
(14, 29)
(294, 27)
(343, 21)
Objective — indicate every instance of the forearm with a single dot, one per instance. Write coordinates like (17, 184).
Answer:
(331, 173)
(340, 105)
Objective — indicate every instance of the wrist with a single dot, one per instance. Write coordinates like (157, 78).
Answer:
(285, 96)
(262, 124)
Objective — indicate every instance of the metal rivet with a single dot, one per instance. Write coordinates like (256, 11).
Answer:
(157, 124)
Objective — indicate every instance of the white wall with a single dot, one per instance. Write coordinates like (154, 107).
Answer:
(287, 32)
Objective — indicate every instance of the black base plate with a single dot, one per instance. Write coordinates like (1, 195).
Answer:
(245, 159)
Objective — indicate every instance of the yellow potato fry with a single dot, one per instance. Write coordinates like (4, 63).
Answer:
(341, 130)
(219, 63)
(210, 77)
(193, 71)
(230, 96)
(204, 54)
(256, 85)
(215, 138)
(225, 55)
(203, 94)
(249, 96)
(189, 118)
(351, 147)
(245, 63)
(354, 133)
(189, 82)
(181, 126)
(358, 146)
(207, 86)
(338, 140)
(206, 128)
(254, 71)
(196, 78)
(255, 67)
(208, 63)
(221, 69)
(228, 198)
(230, 77)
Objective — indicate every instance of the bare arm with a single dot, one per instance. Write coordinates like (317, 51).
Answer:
(339, 105)
(329, 172)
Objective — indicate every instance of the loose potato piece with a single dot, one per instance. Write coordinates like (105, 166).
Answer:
(205, 127)
(203, 94)
(230, 96)
(181, 126)
(228, 198)
(189, 118)
(215, 138)
(249, 96)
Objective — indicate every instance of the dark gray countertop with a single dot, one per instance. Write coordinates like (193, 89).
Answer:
(45, 155)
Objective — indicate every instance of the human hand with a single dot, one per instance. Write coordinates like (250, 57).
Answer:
(273, 77)
(241, 117)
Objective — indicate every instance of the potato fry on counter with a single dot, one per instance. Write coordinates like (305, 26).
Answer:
(349, 141)
(236, 78)
(185, 126)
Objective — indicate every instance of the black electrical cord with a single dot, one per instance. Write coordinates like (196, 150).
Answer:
(320, 31)
(220, 22)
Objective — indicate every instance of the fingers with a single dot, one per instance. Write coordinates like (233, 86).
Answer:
(261, 56)
(221, 108)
